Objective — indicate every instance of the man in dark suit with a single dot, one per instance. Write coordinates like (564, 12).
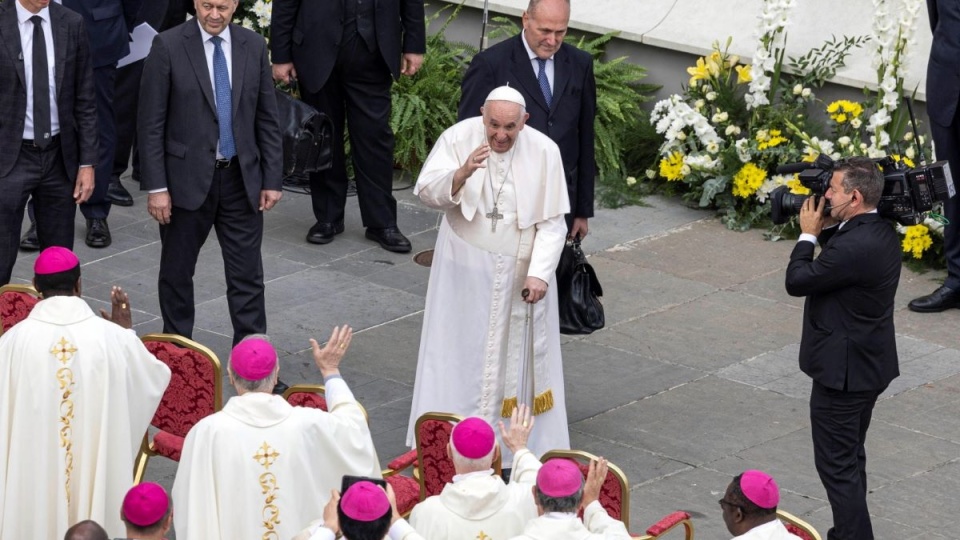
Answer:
(210, 156)
(48, 123)
(345, 55)
(108, 23)
(943, 96)
(556, 80)
(848, 345)
(160, 15)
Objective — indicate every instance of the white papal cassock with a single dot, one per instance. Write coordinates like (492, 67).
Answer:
(77, 393)
(472, 341)
(480, 505)
(262, 468)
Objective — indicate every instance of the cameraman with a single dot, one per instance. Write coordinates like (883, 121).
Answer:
(848, 345)
(943, 95)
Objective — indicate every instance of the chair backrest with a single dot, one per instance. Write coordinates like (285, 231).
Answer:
(195, 389)
(16, 303)
(434, 467)
(615, 492)
(307, 395)
(797, 526)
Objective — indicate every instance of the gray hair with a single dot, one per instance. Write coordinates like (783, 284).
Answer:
(467, 465)
(560, 504)
(862, 174)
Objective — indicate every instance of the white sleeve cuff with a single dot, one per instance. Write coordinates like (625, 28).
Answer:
(807, 237)
(337, 392)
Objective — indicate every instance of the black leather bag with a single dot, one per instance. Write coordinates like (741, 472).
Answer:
(307, 137)
(578, 292)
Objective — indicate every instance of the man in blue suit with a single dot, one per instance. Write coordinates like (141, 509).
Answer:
(943, 95)
(557, 82)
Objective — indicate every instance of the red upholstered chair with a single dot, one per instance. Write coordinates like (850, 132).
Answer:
(16, 302)
(194, 393)
(314, 395)
(615, 496)
(797, 526)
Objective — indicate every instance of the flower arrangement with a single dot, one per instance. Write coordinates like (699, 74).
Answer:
(725, 133)
(255, 15)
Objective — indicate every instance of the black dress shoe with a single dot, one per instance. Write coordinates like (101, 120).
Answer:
(118, 195)
(29, 241)
(389, 238)
(98, 233)
(323, 233)
(939, 300)
(280, 388)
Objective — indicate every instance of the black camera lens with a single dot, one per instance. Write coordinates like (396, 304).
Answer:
(784, 204)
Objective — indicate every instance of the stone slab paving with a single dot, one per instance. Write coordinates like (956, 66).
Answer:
(693, 380)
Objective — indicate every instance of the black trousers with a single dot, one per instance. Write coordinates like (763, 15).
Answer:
(39, 174)
(98, 206)
(838, 422)
(239, 230)
(125, 116)
(947, 139)
(358, 94)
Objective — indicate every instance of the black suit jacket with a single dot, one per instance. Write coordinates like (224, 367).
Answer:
(943, 69)
(309, 32)
(76, 99)
(848, 340)
(109, 23)
(568, 120)
(177, 129)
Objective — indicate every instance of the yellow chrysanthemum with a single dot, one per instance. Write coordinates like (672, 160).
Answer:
(698, 72)
(843, 110)
(671, 167)
(744, 75)
(916, 240)
(769, 139)
(904, 159)
(748, 180)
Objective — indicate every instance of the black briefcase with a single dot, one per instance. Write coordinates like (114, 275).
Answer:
(307, 137)
(578, 292)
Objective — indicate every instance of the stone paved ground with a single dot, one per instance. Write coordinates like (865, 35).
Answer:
(693, 380)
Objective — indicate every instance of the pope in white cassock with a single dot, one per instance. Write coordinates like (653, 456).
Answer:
(77, 392)
(478, 504)
(504, 195)
(262, 468)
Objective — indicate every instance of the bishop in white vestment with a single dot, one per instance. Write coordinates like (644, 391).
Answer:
(261, 468)
(77, 392)
(484, 349)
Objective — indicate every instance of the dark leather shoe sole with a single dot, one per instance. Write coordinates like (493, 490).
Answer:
(396, 247)
(30, 242)
(314, 236)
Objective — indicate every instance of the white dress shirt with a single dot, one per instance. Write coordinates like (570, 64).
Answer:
(536, 65)
(26, 44)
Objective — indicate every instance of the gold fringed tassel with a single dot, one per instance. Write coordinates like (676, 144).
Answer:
(541, 404)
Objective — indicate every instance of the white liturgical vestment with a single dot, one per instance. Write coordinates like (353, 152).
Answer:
(77, 393)
(505, 224)
(262, 468)
(596, 525)
(773, 530)
(481, 505)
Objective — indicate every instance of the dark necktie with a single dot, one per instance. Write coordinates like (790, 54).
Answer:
(544, 83)
(221, 76)
(41, 86)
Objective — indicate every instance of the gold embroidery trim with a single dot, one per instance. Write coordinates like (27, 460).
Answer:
(266, 456)
(541, 404)
(63, 352)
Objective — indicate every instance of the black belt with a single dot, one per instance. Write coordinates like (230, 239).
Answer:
(32, 144)
(226, 163)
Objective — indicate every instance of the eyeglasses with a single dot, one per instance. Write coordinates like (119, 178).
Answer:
(728, 503)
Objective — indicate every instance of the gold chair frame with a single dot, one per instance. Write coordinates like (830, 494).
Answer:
(20, 288)
(146, 446)
(582, 456)
(794, 520)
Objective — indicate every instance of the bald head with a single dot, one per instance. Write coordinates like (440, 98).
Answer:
(86, 530)
(545, 25)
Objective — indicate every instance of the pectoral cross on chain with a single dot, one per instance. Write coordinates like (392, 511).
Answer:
(494, 216)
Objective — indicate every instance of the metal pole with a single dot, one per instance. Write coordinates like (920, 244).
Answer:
(483, 29)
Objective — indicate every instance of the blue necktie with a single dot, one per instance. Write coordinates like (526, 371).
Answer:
(544, 83)
(221, 76)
